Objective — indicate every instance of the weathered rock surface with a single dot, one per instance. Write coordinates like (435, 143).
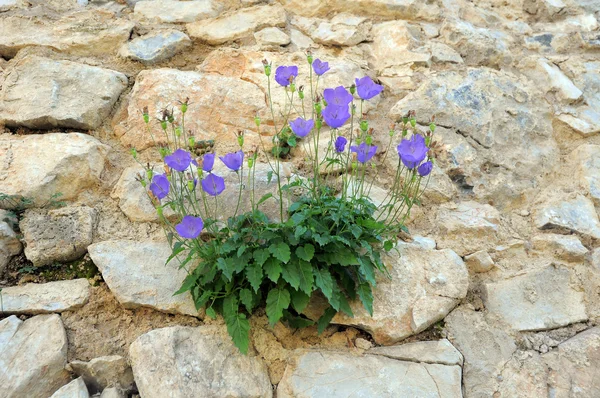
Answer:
(58, 235)
(237, 24)
(527, 303)
(386, 9)
(104, 372)
(330, 374)
(272, 37)
(112, 392)
(195, 362)
(171, 11)
(75, 389)
(41, 298)
(133, 198)
(342, 30)
(587, 123)
(573, 214)
(156, 47)
(33, 355)
(564, 247)
(442, 352)
(10, 245)
(480, 261)
(137, 275)
(65, 94)
(37, 167)
(587, 158)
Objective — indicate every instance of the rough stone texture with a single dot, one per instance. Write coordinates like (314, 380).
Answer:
(330, 374)
(10, 245)
(237, 24)
(65, 94)
(43, 298)
(112, 392)
(573, 214)
(425, 286)
(33, 355)
(343, 30)
(564, 247)
(479, 261)
(75, 389)
(90, 32)
(104, 372)
(386, 9)
(585, 125)
(272, 37)
(177, 11)
(39, 166)
(538, 300)
(155, 47)
(58, 235)
(587, 158)
(195, 362)
(133, 198)
(137, 275)
(442, 352)
(559, 82)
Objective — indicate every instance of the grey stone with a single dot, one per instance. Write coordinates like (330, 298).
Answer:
(196, 362)
(576, 214)
(587, 159)
(272, 37)
(103, 372)
(559, 82)
(564, 247)
(58, 235)
(40, 93)
(538, 300)
(441, 53)
(112, 392)
(156, 46)
(441, 352)
(479, 261)
(10, 245)
(343, 30)
(33, 355)
(586, 124)
(173, 11)
(75, 389)
(34, 298)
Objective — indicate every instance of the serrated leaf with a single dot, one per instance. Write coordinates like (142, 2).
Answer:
(269, 176)
(366, 296)
(201, 301)
(281, 251)
(239, 330)
(344, 305)
(260, 256)
(388, 245)
(306, 276)
(264, 198)
(211, 313)
(187, 283)
(366, 270)
(325, 319)
(247, 299)
(240, 263)
(278, 300)
(299, 300)
(177, 248)
(356, 230)
(241, 249)
(295, 206)
(297, 218)
(305, 252)
(227, 266)
(230, 306)
(254, 274)
(273, 269)
(300, 230)
(324, 281)
(297, 321)
(291, 274)
(322, 240)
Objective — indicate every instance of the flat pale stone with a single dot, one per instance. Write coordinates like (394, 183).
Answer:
(172, 11)
(479, 261)
(330, 374)
(564, 247)
(196, 362)
(38, 166)
(343, 30)
(65, 94)
(558, 81)
(441, 53)
(384, 9)
(272, 36)
(33, 356)
(10, 245)
(40, 298)
(587, 160)
(155, 47)
(441, 352)
(136, 274)
(538, 300)
(103, 372)
(75, 389)
(572, 214)
(112, 392)
(581, 125)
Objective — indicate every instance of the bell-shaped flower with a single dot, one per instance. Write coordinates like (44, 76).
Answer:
(213, 185)
(302, 127)
(233, 160)
(190, 227)
(160, 186)
(179, 160)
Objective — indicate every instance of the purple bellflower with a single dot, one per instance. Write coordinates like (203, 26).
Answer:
(180, 160)
(302, 127)
(213, 185)
(284, 75)
(367, 88)
(208, 162)
(340, 144)
(412, 151)
(338, 96)
(160, 186)
(335, 116)
(425, 169)
(320, 67)
(233, 160)
(190, 227)
(364, 152)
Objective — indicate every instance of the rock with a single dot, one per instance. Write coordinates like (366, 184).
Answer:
(559, 82)
(112, 392)
(392, 45)
(300, 40)
(136, 274)
(37, 167)
(238, 101)
(103, 372)
(573, 214)
(526, 302)
(171, 11)
(6, 5)
(564, 247)
(133, 198)
(237, 24)
(441, 53)
(488, 116)
(58, 235)
(587, 160)
(525, 375)
(272, 37)
(468, 228)
(485, 348)
(33, 355)
(330, 374)
(75, 389)
(343, 30)
(385, 9)
(441, 352)
(195, 362)
(479, 261)
(89, 32)
(425, 285)
(65, 94)
(362, 344)
(586, 124)
(10, 245)
(34, 298)
(156, 47)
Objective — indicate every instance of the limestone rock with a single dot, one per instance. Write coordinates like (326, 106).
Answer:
(41, 298)
(10, 245)
(172, 11)
(65, 94)
(587, 159)
(559, 82)
(441, 53)
(33, 355)
(195, 362)
(300, 40)
(343, 30)
(136, 274)
(6, 5)
(479, 261)
(586, 124)
(538, 300)
(238, 24)
(75, 389)
(441, 352)
(330, 374)
(385, 9)
(575, 214)
(133, 198)
(103, 372)
(272, 37)
(58, 235)
(156, 47)
(112, 392)
(564, 247)
(37, 167)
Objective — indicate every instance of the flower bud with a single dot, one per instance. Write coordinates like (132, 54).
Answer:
(190, 185)
(192, 142)
(432, 127)
(143, 182)
(404, 133)
(301, 94)
(163, 152)
(250, 162)
(392, 132)
(405, 120)
(353, 89)
(319, 123)
(240, 140)
(133, 153)
(354, 165)
(184, 107)
(318, 107)
(353, 109)
(292, 87)
(267, 67)
(178, 131)
(369, 139)
(364, 125)
(413, 122)
(163, 124)
(427, 140)
(309, 57)
(146, 115)
(257, 120)
(159, 210)
(149, 175)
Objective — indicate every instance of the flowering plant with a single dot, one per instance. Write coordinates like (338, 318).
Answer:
(327, 234)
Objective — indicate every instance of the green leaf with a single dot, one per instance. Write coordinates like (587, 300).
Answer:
(322, 240)
(239, 330)
(299, 300)
(324, 320)
(201, 301)
(264, 198)
(227, 266)
(211, 313)
(260, 256)
(356, 230)
(187, 284)
(269, 176)
(324, 281)
(254, 274)
(278, 300)
(366, 270)
(306, 276)
(295, 206)
(344, 305)
(272, 268)
(305, 252)
(292, 141)
(366, 296)
(291, 274)
(280, 251)
(296, 322)
(246, 298)
(300, 230)
(241, 249)
(241, 262)
(388, 245)
(230, 306)
(177, 248)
